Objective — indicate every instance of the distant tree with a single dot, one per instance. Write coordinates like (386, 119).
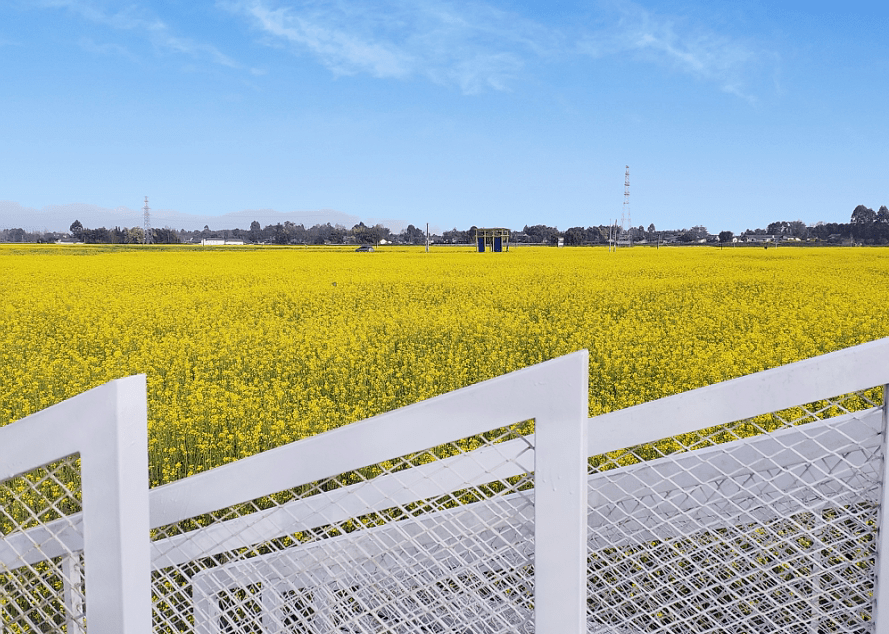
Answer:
(725, 236)
(255, 233)
(863, 215)
(593, 235)
(96, 236)
(76, 230)
(455, 236)
(883, 215)
(380, 232)
(651, 231)
(799, 229)
(164, 235)
(575, 236)
(542, 233)
(135, 235)
(337, 234)
(267, 234)
(299, 234)
(363, 234)
(778, 228)
(280, 235)
(319, 234)
(413, 235)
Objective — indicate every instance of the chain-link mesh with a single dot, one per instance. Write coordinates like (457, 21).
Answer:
(436, 541)
(764, 525)
(41, 562)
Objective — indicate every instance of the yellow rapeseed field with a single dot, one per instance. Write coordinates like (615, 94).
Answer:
(247, 349)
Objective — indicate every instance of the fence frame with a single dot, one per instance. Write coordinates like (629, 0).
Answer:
(108, 427)
(881, 594)
(843, 371)
(554, 393)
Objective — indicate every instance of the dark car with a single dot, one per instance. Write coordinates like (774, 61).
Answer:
(365, 248)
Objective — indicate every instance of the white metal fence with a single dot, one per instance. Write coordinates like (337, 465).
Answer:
(748, 506)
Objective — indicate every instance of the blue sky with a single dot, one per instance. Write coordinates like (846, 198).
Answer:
(497, 113)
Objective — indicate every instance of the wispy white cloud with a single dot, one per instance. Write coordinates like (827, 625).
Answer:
(88, 44)
(134, 18)
(474, 47)
(679, 44)
(470, 44)
(477, 46)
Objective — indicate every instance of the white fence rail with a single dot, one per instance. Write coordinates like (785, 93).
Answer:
(753, 505)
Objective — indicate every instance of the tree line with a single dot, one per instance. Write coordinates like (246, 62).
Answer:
(865, 226)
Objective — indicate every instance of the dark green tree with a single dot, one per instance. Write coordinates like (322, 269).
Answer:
(76, 230)
(799, 229)
(255, 233)
(413, 235)
(862, 215)
(280, 236)
(575, 236)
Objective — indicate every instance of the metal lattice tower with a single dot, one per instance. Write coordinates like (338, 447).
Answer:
(625, 221)
(146, 222)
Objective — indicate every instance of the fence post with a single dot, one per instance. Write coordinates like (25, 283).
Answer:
(560, 509)
(116, 539)
(107, 427)
(881, 594)
(72, 583)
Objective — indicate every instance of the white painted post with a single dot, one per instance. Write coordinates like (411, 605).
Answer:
(115, 509)
(108, 427)
(881, 594)
(560, 509)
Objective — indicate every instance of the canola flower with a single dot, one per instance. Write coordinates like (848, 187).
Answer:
(247, 349)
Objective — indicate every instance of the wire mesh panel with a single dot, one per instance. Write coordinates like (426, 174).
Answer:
(436, 541)
(766, 524)
(41, 562)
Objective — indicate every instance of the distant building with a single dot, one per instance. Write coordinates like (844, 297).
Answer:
(220, 242)
(754, 238)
